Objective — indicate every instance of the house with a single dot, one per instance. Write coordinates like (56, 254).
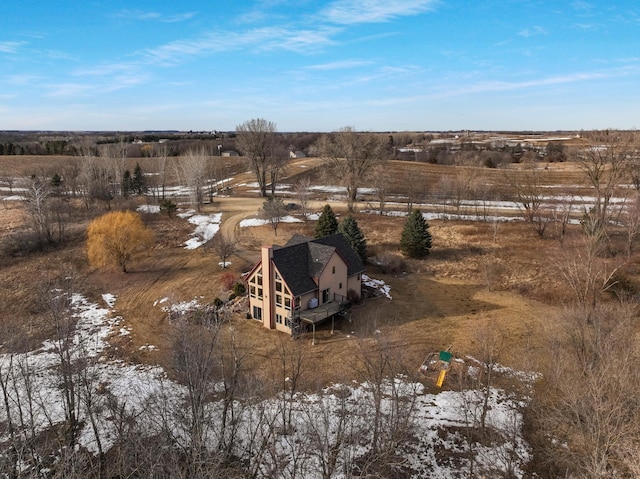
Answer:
(304, 282)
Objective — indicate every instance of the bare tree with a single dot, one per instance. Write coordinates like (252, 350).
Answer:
(586, 273)
(191, 169)
(606, 161)
(276, 165)
(96, 181)
(353, 156)
(583, 412)
(37, 195)
(381, 184)
(528, 188)
(223, 246)
(302, 192)
(256, 139)
(631, 222)
(273, 210)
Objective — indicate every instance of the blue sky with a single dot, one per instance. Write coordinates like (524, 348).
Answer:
(308, 65)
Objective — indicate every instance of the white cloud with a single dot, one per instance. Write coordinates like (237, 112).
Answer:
(259, 39)
(153, 16)
(532, 32)
(10, 47)
(339, 65)
(348, 12)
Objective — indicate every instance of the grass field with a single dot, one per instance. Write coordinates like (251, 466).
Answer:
(479, 276)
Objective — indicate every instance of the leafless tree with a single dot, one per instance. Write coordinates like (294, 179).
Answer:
(529, 192)
(585, 271)
(276, 165)
(96, 181)
(302, 193)
(194, 365)
(37, 195)
(256, 139)
(631, 221)
(71, 173)
(273, 210)
(583, 415)
(381, 185)
(190, 170)
(353, 157)
(606, 161)
(561, 217)
(223, 246)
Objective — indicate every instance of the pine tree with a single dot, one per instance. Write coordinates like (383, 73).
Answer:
(350, 230)
(327, 223)
(138, 181)
(415, 241)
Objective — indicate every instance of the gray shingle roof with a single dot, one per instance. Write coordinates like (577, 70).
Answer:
(302, 259)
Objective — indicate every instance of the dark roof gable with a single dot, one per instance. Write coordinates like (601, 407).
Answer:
(340, 243)
(302, 259)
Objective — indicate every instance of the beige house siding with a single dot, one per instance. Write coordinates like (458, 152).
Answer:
(332, 279)
(270, 298)
(354, 283)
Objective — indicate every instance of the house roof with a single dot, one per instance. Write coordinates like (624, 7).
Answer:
(303, 259)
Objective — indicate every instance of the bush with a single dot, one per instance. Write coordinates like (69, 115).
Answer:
(168, 207)
(239, 289)
(391, 264)
(353, 296)
(232, 296)
(217, 302)
(228, 280)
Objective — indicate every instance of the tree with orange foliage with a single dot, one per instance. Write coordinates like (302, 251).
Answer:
(113, 238)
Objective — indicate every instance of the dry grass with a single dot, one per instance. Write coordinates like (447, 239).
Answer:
(473, 279)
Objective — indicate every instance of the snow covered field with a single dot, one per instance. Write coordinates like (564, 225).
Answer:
(292, 432)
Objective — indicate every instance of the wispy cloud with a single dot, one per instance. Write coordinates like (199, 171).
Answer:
(153, 16)
(576, 77)
(259, 39)
(349, 12)
(532, 32)
(10, 47)
(339, 65)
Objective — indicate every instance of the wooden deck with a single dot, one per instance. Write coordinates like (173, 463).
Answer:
(322, 312)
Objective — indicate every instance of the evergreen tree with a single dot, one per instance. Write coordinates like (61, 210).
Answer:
(416, 239)
(327, 223)
(138, 182)
(350, 230)
(126, 183)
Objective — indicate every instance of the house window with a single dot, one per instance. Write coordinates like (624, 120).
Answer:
(278, 300)
(340, 286)
(334, 270)
(287, 302)
(277, 275)
(252, 290)
(259, 280)
(259, 293)
(257, 313)
(286, 291)
(278, 286)
(252, 280)
(326, 295)
(296, 303)
(279, 318)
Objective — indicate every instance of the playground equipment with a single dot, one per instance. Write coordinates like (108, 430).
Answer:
(442, 363)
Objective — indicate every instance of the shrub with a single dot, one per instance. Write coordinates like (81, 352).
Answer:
(217, 302)
(228, 280)
(239, 289)
(232, 296)
(168, 207)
